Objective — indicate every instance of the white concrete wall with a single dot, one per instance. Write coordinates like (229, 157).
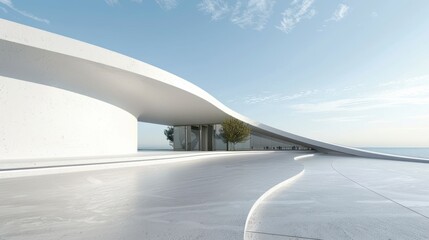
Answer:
(39, 121)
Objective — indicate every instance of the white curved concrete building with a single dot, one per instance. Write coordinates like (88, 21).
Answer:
(60, 97)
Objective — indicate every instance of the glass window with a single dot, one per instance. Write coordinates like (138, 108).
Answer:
(179, 137)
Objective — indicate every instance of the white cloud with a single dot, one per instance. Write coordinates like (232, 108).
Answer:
(273, 98)
(216, 8)
(112, 2)
(299, 10)
(254, 14)
(10, 5)
(398, 83)
(340, 119)
(420, 117)
(298, 95)
(407, 92)
(250, 14)
(340, 12)
(416, 94)
(167, 4)
(347, 104)
(164, 4)
(259, 99)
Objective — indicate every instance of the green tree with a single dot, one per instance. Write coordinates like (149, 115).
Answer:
(234, 131)
(169, 133)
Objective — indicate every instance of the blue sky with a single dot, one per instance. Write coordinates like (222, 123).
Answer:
(348, 72)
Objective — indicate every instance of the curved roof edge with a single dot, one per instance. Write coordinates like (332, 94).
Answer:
(23, 47)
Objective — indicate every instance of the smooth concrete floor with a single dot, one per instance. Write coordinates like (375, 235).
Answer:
(210, 198)
(348, 198)
(200, 199)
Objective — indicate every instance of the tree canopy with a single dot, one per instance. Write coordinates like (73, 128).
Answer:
(169, 133)
(234, 131)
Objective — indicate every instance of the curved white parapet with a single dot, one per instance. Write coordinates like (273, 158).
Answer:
(144, 91)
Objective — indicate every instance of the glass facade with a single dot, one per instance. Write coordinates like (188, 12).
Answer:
(193, 138)
(261, 142)
(218, 143)
(180, 138)
(208, 138)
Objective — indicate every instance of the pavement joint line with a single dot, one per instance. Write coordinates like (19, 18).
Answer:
(379, 194)
(273, 189)
(88, 164)
(284, 235)
(113, 162)
(40, 171)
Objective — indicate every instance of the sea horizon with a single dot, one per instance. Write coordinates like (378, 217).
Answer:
(421, 152)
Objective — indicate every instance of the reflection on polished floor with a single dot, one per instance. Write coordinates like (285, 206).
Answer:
(210, 198)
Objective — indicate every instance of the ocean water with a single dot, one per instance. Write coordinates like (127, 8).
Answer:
(411, 152)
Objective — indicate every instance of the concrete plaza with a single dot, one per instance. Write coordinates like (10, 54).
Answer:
(210, 197)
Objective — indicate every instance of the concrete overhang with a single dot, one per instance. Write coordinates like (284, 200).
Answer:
(149, 93)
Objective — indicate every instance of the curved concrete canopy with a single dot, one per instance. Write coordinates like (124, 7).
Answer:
(147, 92)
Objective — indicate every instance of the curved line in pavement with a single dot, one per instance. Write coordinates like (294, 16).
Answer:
(109, 165)
(379, 194)
(284, 235)
(272, 190)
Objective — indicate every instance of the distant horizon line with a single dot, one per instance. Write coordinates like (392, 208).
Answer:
(165, 148)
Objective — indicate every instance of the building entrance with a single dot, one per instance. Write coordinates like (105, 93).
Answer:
(193, 138)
